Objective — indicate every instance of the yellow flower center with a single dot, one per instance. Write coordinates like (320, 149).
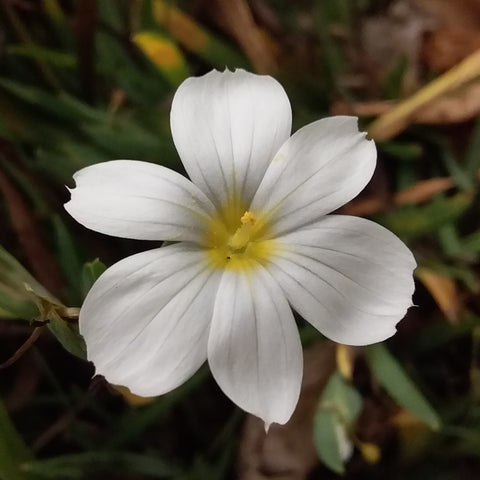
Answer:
(236, 241)
(241, 238)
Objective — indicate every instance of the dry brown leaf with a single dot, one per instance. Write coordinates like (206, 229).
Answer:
(460, 12)
(461, 106)
(443, 290)
(418, 193)
(443, 94)
(236, 18)
(182, 27)
(361, 109)
(287, 452)
(423, 191)
(457, 34)
(449, 45)
(401, 28)
(394, 121)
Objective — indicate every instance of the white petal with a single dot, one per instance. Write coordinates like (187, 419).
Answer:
(321, 167)
(141, 200)
(254, 349)
(227, 126)
(146, 320)
(349, 277)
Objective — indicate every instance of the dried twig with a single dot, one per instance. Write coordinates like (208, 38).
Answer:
(34, 336)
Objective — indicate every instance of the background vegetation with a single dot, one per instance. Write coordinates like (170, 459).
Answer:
(91, 80)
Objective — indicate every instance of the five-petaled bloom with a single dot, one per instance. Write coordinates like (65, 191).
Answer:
(253, 239)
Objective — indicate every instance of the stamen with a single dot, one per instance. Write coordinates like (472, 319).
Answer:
(236, 242)
(248, 217)
(242, 235)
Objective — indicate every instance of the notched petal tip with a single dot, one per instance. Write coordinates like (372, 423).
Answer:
(351, 122)
(70, 191)
(140, 200)
(226, 127)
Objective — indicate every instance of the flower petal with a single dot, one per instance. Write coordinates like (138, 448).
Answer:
(146, 320)
(320, 168)
(132, 199)
(227, 126)
(254, 349)
(349, 277)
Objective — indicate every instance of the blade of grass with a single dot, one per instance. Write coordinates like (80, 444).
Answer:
(39, 53)
(24, 36)
(472, 155)
(13, 451)
(396, 382)
(394, 121)
(75, 466)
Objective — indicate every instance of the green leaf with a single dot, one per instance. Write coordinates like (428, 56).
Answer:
(15, 299)
(437, 335)
(59, 108)
(90, 273)
(401, 150)
(413, 221)
(471, 243)
(67, 255)
(13, 274)
(339, 408)
(141, 82)
(16, 304)
(394, 78)
(125, 139)
(456, 170)
(341, 396)
(13, 451)
(67, 334)
(109, 13)
(69, 156)
(77, 466)
(54, 11)
(396, 382)
(27, 186)
(325, 424)
(449, 240)
(35, 52)
(472, 155)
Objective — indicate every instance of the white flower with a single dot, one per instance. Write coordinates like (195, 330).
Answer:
(254, 239)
